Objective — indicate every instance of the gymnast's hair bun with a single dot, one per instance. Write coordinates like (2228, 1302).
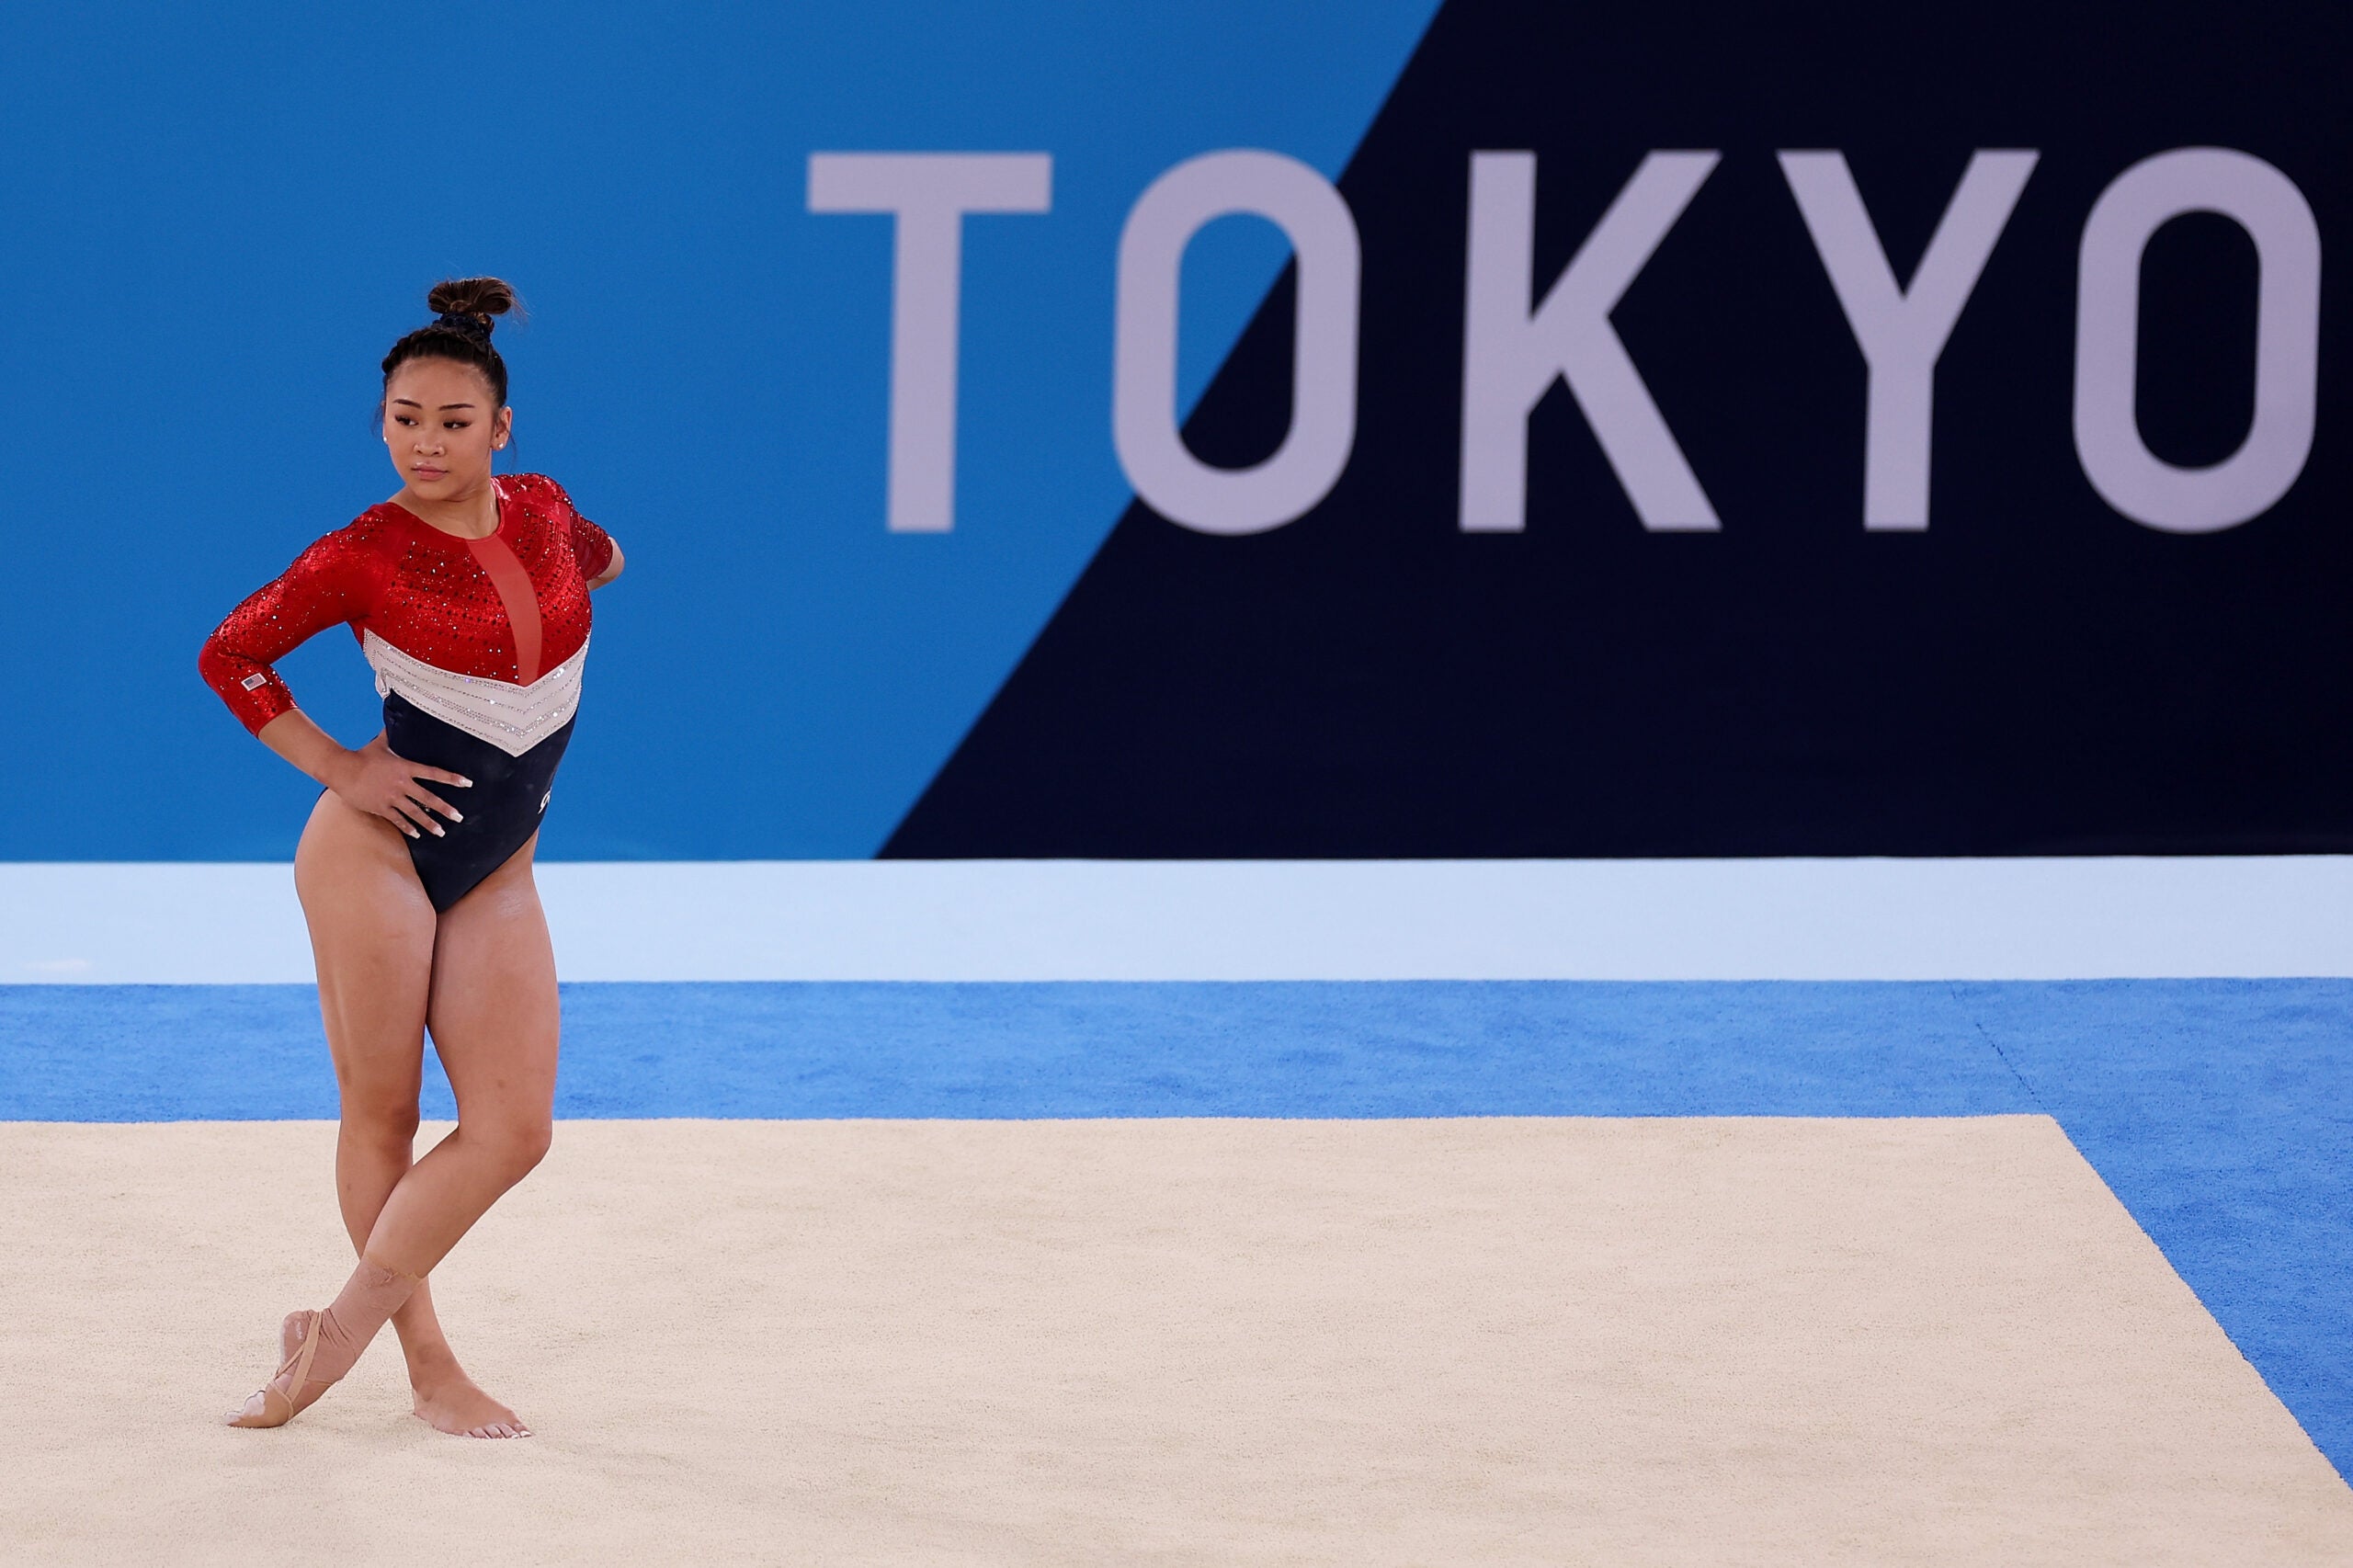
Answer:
(477, 298)
(465, 308)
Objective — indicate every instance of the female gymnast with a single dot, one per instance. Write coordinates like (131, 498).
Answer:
(470, 596)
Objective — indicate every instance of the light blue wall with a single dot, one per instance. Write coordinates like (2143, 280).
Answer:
(219, 219)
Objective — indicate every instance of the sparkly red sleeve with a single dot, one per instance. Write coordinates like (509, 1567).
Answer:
(332, 582)
(591, 547)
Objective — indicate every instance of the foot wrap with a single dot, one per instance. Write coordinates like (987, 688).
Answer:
(357, 1315)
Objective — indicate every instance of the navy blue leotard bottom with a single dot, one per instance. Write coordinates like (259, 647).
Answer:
(502, 810)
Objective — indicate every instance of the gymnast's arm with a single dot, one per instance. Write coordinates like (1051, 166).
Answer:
(327, 585)
(593, 549)
(612, 567)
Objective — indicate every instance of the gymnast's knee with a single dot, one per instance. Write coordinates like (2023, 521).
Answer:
(388, 1122)
(516, 1147)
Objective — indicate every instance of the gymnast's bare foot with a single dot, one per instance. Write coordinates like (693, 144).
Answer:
(447, 1401)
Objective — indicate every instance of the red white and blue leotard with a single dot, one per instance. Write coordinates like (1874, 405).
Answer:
(477, 644)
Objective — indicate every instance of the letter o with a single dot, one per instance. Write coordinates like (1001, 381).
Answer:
(1323, 236)
(2267, 204)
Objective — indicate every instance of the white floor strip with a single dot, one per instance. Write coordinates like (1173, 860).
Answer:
(1267, 920)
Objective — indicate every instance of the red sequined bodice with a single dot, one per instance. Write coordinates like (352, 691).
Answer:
(431, 594)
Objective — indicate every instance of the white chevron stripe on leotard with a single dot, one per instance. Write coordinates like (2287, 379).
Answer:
(512, 717)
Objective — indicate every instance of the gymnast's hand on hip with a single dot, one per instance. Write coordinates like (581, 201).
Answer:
(383, 785)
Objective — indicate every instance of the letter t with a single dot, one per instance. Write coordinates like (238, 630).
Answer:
(930, 193)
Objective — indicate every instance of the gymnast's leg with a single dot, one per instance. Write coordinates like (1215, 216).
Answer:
(372, 932)
(491, 1007)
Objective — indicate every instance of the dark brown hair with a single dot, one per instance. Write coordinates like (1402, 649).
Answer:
(467, 308)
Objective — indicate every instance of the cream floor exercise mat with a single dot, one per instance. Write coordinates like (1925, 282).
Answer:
(1219, 1342)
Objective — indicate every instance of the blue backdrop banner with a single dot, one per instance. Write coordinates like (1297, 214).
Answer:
(1372, 429)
